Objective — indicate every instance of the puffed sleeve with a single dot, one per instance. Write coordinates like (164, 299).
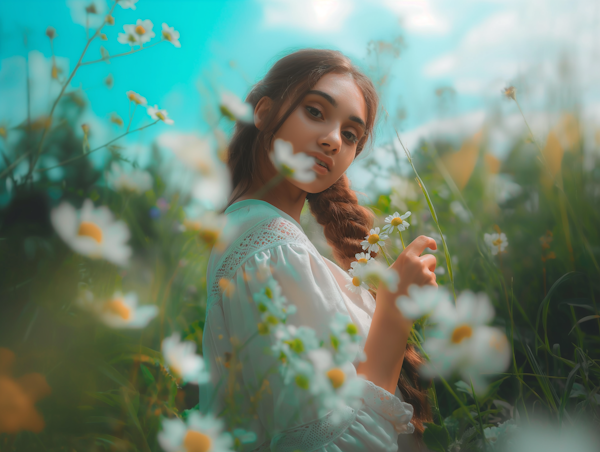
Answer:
(240, 361)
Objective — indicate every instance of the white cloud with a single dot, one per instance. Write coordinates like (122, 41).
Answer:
(321, 15)
(419, 16)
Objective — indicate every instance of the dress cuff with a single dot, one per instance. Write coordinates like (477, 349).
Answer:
(390, 407)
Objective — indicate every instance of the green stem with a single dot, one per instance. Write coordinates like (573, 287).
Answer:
(402, 240)
(479, 416)
(41, 170)
(384, 255)
(110, 57)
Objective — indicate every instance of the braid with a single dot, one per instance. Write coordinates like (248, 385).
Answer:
(345, 222)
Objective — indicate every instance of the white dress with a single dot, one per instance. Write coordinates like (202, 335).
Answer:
(317, 286)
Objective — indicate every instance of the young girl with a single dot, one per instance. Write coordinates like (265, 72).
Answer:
(325, 107)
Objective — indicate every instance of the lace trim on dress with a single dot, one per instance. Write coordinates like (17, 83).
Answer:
(389, 406)
(265, 234)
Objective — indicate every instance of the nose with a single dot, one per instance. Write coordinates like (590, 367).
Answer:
(331, 143)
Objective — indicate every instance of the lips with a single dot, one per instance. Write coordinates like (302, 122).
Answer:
(322, 158)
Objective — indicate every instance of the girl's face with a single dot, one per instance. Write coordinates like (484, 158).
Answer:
(327, 125)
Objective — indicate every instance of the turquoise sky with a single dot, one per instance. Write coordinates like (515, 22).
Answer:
(470, 48)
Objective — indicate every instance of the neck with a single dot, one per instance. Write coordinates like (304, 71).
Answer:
(285, 196)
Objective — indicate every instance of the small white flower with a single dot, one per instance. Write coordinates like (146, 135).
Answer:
(396, 221)
(373, 240)
(345, 340)
(128, 4)
(296, 166)
(171, 35)
(496, 242)
(92, 232)
(136, 181)
(135, 97)
(234, 108)
(201, 433)
(156, 113)
(361, 259)
(291, 345)
(422, 300)
(181, 359)
(210, 228)
(272, 304)
(130, 36)
(119, 311)
(143, 29)
(357, 284)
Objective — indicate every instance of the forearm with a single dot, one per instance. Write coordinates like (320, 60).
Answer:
(385, 346)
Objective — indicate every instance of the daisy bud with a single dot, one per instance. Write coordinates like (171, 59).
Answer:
(109, 81)
(91, 9)
(510, 92)
(103, 37)
(116, 119)
(85, 128)
(51, 32)
(110, 20)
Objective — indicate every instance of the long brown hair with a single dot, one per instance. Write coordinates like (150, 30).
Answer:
(344, 221)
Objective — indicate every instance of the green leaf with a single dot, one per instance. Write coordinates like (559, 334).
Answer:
(436, 437)
(147, 375)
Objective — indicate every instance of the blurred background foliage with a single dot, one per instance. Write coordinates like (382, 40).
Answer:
(107, 389)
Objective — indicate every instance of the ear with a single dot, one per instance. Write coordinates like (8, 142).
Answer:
(261, 111)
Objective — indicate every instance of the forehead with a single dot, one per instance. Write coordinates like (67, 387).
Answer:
(345, 91)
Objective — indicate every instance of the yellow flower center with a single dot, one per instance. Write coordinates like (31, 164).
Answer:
(209, 236)
(269, 293)
(140, 30)
(356, 281)
(160, 116)
(91, 230)
(119, 308)
(337, 377)
(373, 239)
(460, 333)
(166, 35)
(351, 329)
(396, 221)
(497, 242)
(363, 260)
(196, 442)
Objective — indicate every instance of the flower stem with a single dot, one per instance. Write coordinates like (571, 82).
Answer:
(402, 240)
(110, 57)
(479, 417)
(384, 255)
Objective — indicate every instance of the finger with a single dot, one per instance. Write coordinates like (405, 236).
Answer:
(430, 261)
(418, 245)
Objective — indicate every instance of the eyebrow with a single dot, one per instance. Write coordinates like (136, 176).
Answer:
(333, 102)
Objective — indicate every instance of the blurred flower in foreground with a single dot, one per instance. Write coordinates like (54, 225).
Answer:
(500, 437)
(291, 344)
(396, 221)
(135, 97)
(460, 341)
(373, 240)
(421, 300)
(181, 359)
(119, 311)
(296, 166)
(510, 92)
(171, 35)
(496, 241)
(202, 433)
(92, 232)
(272, 304)
(377, 273)
(18, 397)
(345, 340)
(576, 437)
(127, 4)
(233, 108)
(136, 181)
(156, 113)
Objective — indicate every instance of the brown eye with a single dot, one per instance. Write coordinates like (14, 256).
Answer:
(351, 137)
(313, 109)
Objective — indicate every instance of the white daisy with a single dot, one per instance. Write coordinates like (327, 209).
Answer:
(496, 241)
(92, 232)
(272, 304)
(135, 97)
(171, 35)
(181, 359)
(344, 339)
(202, 433)
(377, 273)
(373, 240)
(143, 29)
(357, 284)
(211, 227)
(296, 166)
(156, 113)
(292, 343)
(128, 4)
(119, 311)
(136, 181)
(130, 36)
(234, 108)
(361, 259)
(396, 221)
(422, 300)
(461, 341)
